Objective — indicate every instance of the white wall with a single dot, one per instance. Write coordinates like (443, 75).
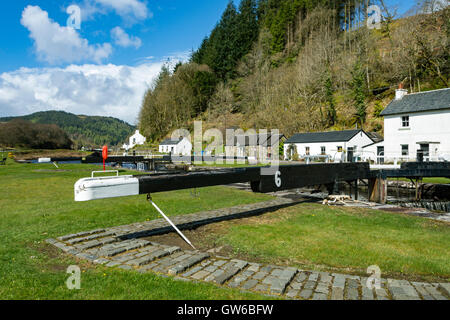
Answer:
(358, 141)
(432, 126)
(184, 148)
(136, 139)
(371, 152)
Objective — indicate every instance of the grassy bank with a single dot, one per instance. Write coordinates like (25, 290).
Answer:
(427, 180)
(36, 203)
(313, 236)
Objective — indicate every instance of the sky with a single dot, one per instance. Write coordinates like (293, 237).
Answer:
(103, 62)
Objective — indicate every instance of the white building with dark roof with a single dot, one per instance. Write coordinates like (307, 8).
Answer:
(417, 123)
(256, 147)
(337, 145)
(181, 146)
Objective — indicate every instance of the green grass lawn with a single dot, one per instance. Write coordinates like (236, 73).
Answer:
(313, 236)
(36, 203)
(428, 180)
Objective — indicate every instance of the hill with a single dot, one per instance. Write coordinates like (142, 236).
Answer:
(19, 133)
(87, 131)
(300, 65)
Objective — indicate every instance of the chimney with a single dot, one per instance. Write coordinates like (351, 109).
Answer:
(400, 92)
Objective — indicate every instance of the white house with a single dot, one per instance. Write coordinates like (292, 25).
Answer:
(416, 123)
(339, 146)
(135, 140)
(259, 147)
(181, 146)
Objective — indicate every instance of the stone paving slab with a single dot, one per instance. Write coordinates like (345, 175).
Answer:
(120, 247)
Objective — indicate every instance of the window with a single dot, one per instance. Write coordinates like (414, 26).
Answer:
(405, 122)
(405, 150)
(307, 151)
(323, 150)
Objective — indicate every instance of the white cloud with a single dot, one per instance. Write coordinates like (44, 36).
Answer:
(121, 38)
(56, 44)
(127, 9)
(105, 90)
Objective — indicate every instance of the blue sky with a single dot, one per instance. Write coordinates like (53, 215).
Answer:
(104, 67)
(171, 26)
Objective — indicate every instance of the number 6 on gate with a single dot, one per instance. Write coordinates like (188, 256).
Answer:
(278, 179)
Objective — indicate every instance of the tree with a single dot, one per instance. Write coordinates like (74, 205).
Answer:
(247, 27)
(175, 98)
(22, 133)
(331, 103)
(230, 40)
(359, 94)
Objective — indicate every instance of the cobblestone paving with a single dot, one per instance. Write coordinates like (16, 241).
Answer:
(120, 247)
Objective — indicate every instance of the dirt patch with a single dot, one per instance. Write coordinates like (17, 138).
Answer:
(202, 238)
(57, 259)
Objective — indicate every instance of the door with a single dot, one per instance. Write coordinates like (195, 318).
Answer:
(350, 153)
(425, 148)
(380, 154)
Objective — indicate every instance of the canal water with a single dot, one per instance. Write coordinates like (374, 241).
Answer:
(130, 166)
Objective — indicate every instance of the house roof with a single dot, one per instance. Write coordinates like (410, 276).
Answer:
(255, 140)
(376, 137)
(419, 102)
(171, 142)
(317, 137)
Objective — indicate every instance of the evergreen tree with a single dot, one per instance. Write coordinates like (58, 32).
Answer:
(359, 94)
(331, 103)
(230, 40)
(225, 44)
(247, 27)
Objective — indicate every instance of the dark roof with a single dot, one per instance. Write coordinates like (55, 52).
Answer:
(255, 140)
(419, 102)
(170, 142)
(372, 144)
(317, 137)
(376, 137)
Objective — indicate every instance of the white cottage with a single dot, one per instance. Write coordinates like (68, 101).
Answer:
(259, 147)
(337, 145)
(136, 139)
(181, 146)
(416, 123)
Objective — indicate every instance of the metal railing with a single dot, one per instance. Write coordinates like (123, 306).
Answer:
(381, 158)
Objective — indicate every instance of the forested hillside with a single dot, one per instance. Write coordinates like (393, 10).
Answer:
(87, 131)
(301, 65)
(20, 133)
